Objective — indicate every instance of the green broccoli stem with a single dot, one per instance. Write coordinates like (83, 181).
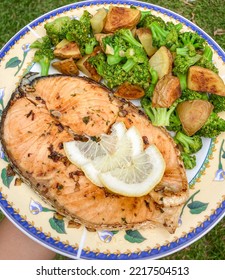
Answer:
(128, 65)
(159, 116)
(113, 59)
(208, 53)
(194, 59)
(182, 51)
(45, 65)
(154, 76)
(154, 80)
(89, 48)
(158, 31)
(183, 80)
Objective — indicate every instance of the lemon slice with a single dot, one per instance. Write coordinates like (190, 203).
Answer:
(118, 161)
(79, 152)
(131, 144)
(143, 173)
(135, 139)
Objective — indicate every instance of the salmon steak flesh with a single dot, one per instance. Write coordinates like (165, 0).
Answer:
(45, 112)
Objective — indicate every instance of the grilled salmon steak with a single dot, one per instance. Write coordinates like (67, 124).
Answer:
(45, 112)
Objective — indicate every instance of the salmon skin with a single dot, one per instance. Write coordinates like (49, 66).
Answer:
(55, 109)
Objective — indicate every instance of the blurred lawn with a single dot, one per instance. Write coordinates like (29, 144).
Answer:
(208, 14)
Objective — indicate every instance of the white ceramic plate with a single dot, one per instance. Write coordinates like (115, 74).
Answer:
(24, 208)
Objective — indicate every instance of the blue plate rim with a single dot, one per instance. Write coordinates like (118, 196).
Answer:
(69, 251)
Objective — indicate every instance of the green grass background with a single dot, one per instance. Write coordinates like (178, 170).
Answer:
(208, 14)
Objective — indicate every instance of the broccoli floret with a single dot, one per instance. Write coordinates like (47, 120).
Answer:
(188, 94)
(90, 45)
(188, 160)
(98, 61)
(122, 46)
(191, 38)
(186, 55)
(182, 63)
(158, 116)
(144, 14)
(218, 102)
(175, 123)
(185, 44)
(190, 144)
(85, 19)
(44, 53)
(171, 26)
(134, 55)
(147, 18)
(206, 60)
(56, 30)
(165, 36)
(115, 48)
(213, 126)
(114, 75)
(80, 32)
(124, 59)
(181, 66)
(188, 50)
(127, 36)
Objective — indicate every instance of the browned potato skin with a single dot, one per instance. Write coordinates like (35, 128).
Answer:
(129, 91)
(193, 114)
(166, 91)
(66, 66)
(67, 49)
(205, 80)
(145, 37)
(121, 17)
(93, 73)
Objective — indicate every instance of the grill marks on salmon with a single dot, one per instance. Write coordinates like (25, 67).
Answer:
(59, 107)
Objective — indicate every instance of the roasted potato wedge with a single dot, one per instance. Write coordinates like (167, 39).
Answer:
(98, 20)
(166, 91)
(193, 114)
(145, 37)
(67, 49)
(121, 17)
(129, 91)
(205, 80)
(162, 61)
(85, 67)
(66, 66)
